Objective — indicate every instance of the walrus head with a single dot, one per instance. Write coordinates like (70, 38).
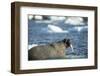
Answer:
(67, 42)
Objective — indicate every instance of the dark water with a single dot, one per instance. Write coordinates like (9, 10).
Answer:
(37, 34)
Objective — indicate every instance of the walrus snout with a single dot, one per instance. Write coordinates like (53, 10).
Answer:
(67, 42)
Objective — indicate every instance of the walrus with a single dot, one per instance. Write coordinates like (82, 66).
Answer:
(54, 50)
